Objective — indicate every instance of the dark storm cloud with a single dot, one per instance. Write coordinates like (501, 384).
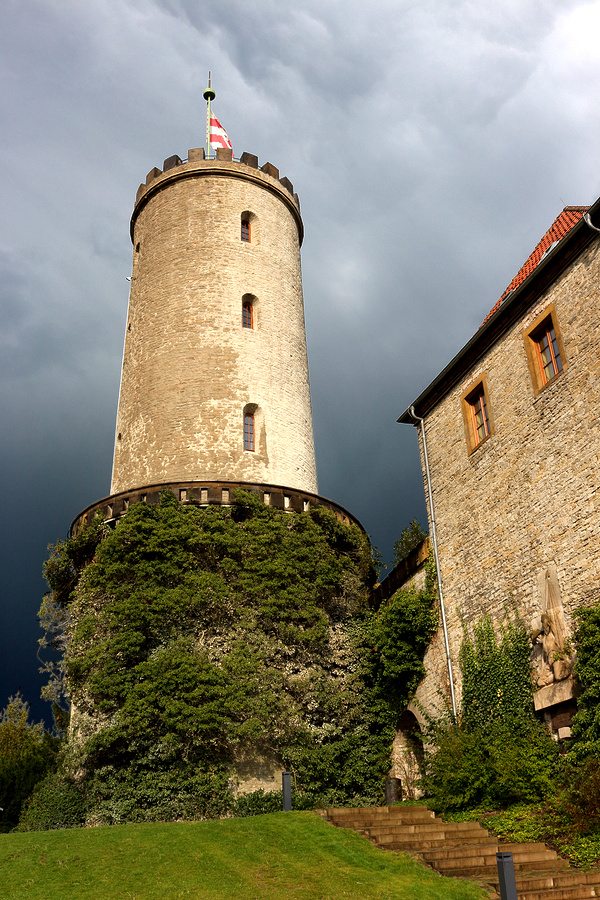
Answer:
(431, 144)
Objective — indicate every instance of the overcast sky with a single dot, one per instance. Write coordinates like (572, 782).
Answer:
(431, 142)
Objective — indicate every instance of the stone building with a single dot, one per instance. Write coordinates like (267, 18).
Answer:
(510, 450)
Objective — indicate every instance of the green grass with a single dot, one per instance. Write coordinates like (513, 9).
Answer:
(280, 856)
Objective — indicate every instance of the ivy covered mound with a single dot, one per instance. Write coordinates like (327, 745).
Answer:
(199, 637)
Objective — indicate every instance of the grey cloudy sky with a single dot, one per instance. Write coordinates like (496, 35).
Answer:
(431, 143)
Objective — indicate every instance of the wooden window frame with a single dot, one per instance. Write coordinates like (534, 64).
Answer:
(475, 393)
(532, 336)
(246, 231)
(247, 314)
(249, 432)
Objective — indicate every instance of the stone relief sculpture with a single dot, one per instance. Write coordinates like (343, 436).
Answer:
(550, 656)
(553, 663)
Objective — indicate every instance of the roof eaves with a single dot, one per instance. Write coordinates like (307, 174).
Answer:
(500, 320)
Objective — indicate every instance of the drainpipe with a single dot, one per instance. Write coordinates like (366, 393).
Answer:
(436, 557)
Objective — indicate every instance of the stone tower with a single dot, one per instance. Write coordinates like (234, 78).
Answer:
(214, 389)
(215, 372)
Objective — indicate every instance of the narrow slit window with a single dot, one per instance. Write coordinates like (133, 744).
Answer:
(247, 315)
(249, 432)
(246, 230)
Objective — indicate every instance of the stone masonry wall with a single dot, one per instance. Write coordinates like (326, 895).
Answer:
(190, 369)
(525, 502)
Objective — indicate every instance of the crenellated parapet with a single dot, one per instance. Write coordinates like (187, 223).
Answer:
(196, 165)
(209, 493)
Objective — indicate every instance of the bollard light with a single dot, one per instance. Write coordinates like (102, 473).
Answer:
(506, 876)
(286, 788)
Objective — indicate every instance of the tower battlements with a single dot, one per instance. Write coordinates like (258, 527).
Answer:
(196, 165)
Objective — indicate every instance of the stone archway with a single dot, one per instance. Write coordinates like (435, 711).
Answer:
(408, 756)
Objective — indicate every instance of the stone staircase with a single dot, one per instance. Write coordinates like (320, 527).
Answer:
(466, 850)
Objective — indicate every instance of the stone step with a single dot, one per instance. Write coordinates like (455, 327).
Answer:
(434, 839)
(403, 821)
(490, 870)
(426, 831)
(577, 892)
(408, 813)
(489, 848)
(423, 827)
(488, 859)
(562, 878)
(466, 850)
(416, 846)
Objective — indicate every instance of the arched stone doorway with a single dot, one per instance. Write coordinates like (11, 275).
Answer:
(408, 756)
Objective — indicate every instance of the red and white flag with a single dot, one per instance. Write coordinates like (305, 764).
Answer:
(218, 135)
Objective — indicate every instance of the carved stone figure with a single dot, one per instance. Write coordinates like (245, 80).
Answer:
(553, 663)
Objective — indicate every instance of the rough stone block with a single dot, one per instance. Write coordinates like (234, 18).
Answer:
(224, 154)
(152, 174)
(249, 159)
(559, 692)
(269, 169)
(287, 184)
(171, 162)
(196, 154)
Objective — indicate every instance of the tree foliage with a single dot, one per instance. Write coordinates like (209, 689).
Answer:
(413, 535)
(27, 752)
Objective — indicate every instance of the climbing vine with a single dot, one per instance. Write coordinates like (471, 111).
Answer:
(197, 636)
(497, 752)
(585, 736)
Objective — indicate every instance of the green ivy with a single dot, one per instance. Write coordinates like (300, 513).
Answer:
(495, 667)
(496, 753)
(400, 633)
(197, 634)
(585, 734)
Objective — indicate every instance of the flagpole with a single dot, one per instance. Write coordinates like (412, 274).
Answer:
(208, 95)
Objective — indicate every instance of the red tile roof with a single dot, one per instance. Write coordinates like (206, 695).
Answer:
(563, 223)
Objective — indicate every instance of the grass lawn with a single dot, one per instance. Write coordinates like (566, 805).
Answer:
(281, 856)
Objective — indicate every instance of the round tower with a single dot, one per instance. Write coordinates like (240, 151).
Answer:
(215, 372)
(214, 389)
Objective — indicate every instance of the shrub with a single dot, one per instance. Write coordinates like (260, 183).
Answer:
(56, 802)
(581, 797)
(492, 768)
(257, 803)
(118, 795)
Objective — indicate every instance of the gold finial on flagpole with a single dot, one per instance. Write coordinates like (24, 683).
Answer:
(208, 95)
